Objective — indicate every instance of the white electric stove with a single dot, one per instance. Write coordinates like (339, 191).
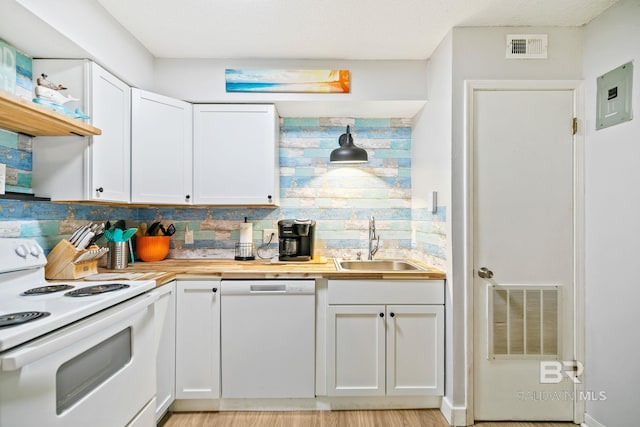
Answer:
(30, 306)
(79, 343)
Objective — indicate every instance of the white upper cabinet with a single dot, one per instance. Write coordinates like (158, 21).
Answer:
(161, 149)
(235, 154)
(86, 168)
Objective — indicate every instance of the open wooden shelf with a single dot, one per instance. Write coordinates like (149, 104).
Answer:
(22, 116)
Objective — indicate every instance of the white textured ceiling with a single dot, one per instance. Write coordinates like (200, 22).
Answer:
(323, 29)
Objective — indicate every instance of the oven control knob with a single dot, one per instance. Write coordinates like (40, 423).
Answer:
(35, 250)
(22, 251)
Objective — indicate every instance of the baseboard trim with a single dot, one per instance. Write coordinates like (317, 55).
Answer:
(322, 403)
(456, 416)
(589, 421)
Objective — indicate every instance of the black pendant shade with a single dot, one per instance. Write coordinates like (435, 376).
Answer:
(348, 152)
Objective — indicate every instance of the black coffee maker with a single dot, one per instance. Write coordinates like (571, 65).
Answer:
(296, 239)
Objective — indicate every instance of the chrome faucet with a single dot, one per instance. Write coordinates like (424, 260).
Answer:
(373, 238)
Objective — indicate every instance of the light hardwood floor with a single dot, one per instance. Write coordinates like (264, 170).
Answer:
(400, 418)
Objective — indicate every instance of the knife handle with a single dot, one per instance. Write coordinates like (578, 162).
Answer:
(85, 241)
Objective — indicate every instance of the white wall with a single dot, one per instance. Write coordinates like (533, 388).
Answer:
(479, 54)
(381, 89)
(612, 226)
(203, 80)
(431, 171)
(40, 36)
(97, 34)
(84, 29)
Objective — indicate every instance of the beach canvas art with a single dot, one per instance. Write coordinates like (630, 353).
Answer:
(291, 81)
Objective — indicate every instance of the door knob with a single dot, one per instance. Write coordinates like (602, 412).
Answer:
(485, 273)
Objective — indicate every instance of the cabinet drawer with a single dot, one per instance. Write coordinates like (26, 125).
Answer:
(386, 292)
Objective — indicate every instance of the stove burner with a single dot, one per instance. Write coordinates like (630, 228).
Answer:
(96, 289)
(47, 290)
(13, 319)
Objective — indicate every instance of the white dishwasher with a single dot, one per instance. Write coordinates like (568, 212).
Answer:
(267, 338)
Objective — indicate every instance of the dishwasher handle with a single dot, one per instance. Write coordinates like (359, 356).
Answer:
(268, 289)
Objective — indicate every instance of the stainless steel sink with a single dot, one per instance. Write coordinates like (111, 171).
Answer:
(377, 265)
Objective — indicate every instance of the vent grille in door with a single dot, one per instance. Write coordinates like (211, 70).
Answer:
(523, 321)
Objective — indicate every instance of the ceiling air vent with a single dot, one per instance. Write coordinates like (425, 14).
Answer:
(527, 46)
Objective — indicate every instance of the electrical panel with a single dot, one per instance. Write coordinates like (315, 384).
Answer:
(614, 97)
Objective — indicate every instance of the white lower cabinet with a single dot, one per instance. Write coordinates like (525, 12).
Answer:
(387, 345)
(198, 339)
(355, 350)
(415, 350)
(165, 340)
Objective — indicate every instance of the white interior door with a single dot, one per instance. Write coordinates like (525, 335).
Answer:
(523, 238)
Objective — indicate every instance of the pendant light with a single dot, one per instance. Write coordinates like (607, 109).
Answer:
(348, 152)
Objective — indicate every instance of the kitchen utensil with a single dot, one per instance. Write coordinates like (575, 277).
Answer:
(143, 229)
(86, 236)
(131, 251)
(153, 229)
(91, 254)
(98, 233)
(140, 232)
(128, 234)
(171, 230)
(84, 241)
(79, 234)
(108, 234)
(96, 238)
(117, 235)
(120, 224)
(75, 234)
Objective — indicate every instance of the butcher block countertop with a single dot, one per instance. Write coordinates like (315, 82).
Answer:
(170, 269)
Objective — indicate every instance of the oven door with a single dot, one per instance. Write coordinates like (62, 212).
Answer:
(96, 372)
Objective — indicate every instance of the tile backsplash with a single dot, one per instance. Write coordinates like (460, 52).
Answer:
(15, 153)
(340, 198)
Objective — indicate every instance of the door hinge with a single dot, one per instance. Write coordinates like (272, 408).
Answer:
(574, 125)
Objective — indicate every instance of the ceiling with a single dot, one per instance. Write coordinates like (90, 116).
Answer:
(327, 29)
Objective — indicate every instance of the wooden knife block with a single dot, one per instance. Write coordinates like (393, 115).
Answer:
(60, 263)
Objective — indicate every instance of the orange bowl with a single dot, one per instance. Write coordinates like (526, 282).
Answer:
(152, 248)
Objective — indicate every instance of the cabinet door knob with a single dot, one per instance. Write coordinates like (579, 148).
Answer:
(270, 198)
(381, 314)
(392, 314)
(99, 189)
(214, 290)
(188, 196)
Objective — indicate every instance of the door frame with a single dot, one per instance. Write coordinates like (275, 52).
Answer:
(471, 87)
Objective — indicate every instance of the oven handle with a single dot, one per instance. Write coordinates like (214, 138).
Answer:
(28, 353)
